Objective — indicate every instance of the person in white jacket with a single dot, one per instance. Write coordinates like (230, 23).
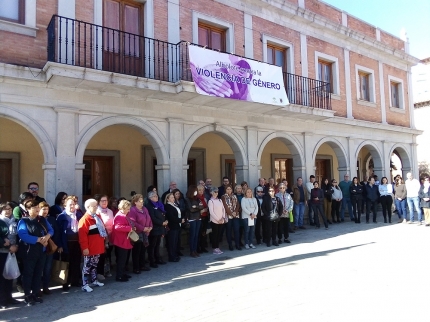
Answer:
(250, 210)
(284, 222)
(336, 199)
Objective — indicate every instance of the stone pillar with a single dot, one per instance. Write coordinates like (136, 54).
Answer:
(49, 172)
(176, 173)
(382, 94)
(66, 151)
(253, 171)
(351, 160)
(79, 168)
(348, 91)
(386, 158)
(163, 177)
(298, 172)
(309, 146)
(241, 173)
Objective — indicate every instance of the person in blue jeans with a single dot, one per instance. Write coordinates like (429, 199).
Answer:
(412, 188)
(300, 197)
(346, 201)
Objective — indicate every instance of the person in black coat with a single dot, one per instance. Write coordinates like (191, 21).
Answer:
(271, 210)
(317, 202)
(356, 193)
(159, 222)
(372, 195)
(174, 217)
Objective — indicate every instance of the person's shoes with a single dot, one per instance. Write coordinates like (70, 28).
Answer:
(312, 223)
(199, 251)
(342, 220)
(181, 254)
(329, 222)
(246, 246)
(28, 300)
(268, 245)
(302, 227)
(287, 241)
(385, 221)
(395, 211)
(252, 246)
(37, 299)
(296, 227)
(193, 254)
(404, 221)
(161, 262)
(375, 222)
(46, 291)
(145, 269)
(20, 288)
(275, 244)
(100, 277)
(97, 283)
(136, 271)
(279, 241)
(197, 254)
(389, 221)
(326, 228)
(420, 223)
(238, 248)
(87, 288)
(13, 301)
(66, 287)
(241, 244)
(258, 242)
(231, 248)
(410, 222)
(400, 221)
(121, 279)
(174, 260)
(126, 276)
(292, 231)
(317, 227)
(3, 306)
(204, 250)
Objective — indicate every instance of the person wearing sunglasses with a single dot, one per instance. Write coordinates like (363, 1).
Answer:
(33, 188)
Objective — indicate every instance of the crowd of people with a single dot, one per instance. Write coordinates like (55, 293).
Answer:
(135, 228)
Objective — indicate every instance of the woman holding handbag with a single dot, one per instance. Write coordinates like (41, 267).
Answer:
(271, 209)
(120, 239)
(7, 245)
(141, 219)
(34, 232)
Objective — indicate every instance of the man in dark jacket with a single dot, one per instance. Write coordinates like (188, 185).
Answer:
(371, 199)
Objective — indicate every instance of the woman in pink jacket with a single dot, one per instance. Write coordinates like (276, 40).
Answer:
(121, 228)
(140, 219)
(217, 217)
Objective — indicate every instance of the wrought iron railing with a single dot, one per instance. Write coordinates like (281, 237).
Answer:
(88, 45)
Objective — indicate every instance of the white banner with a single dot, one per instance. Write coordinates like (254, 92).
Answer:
(230, 76)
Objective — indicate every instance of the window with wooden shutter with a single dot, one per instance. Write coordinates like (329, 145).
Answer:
(13, 10)
(395, 102)
(325, 73)
(277, 56)
(364, 86)
(212, 37)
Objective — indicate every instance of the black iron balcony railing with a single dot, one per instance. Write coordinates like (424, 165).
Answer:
(85, 44)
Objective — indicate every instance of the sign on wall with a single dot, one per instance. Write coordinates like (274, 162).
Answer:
(224, 75)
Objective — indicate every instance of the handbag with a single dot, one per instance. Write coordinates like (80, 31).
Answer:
(60, 271)
(133, 236)
(11, 269)
(51, 248)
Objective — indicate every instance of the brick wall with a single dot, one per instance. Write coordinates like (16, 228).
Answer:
(26, 50)
(362, 27)
(324, 10)
(392, 41)
(396, 118)
(360, 111)
(160, 20)
(268, 28)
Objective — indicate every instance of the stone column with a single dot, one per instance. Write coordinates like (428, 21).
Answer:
(351, 160)
(49, 172)
(176, 146)
(253, 162)
(309, 146)
(163, 177)
(79, 168)
(348, 84)
(66, 151)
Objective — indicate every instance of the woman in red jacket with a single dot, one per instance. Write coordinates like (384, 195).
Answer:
(92, 236)
(121, 228)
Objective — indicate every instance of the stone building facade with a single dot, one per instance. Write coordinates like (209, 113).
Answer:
(82, 115)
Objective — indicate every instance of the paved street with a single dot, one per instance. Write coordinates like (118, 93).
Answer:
(351, 272)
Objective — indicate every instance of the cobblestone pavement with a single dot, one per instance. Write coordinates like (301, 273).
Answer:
(351, 272)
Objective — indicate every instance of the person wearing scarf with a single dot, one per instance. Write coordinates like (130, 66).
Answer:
(159, 222)
(174, 216)
(107, 216)
(284, 221)
(202, 242)
(92, 237)
(232, 209)
(271, 209)
(424, 194)
(67, 242)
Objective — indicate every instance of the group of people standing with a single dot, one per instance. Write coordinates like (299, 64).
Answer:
(268, 214)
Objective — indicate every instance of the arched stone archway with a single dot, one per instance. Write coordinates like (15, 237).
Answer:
(402, 154)
(340, 152)
(294, 147)
(376, 157)
(232, 138)
(46, 145)
(148, 130)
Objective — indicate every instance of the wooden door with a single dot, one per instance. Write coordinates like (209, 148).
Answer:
(6, 179)
(97, 176)
(323, 170)
(230, 171)
(122, 44)
(191, 172)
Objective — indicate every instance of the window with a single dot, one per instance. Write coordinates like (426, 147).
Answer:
(277, 56)
(395, 94)
(13, 10)
(211, 37)
(325, 73)
(364, 93)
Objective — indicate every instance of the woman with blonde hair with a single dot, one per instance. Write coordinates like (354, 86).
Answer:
(250, 209)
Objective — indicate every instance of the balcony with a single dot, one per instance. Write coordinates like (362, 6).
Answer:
(82, 44)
